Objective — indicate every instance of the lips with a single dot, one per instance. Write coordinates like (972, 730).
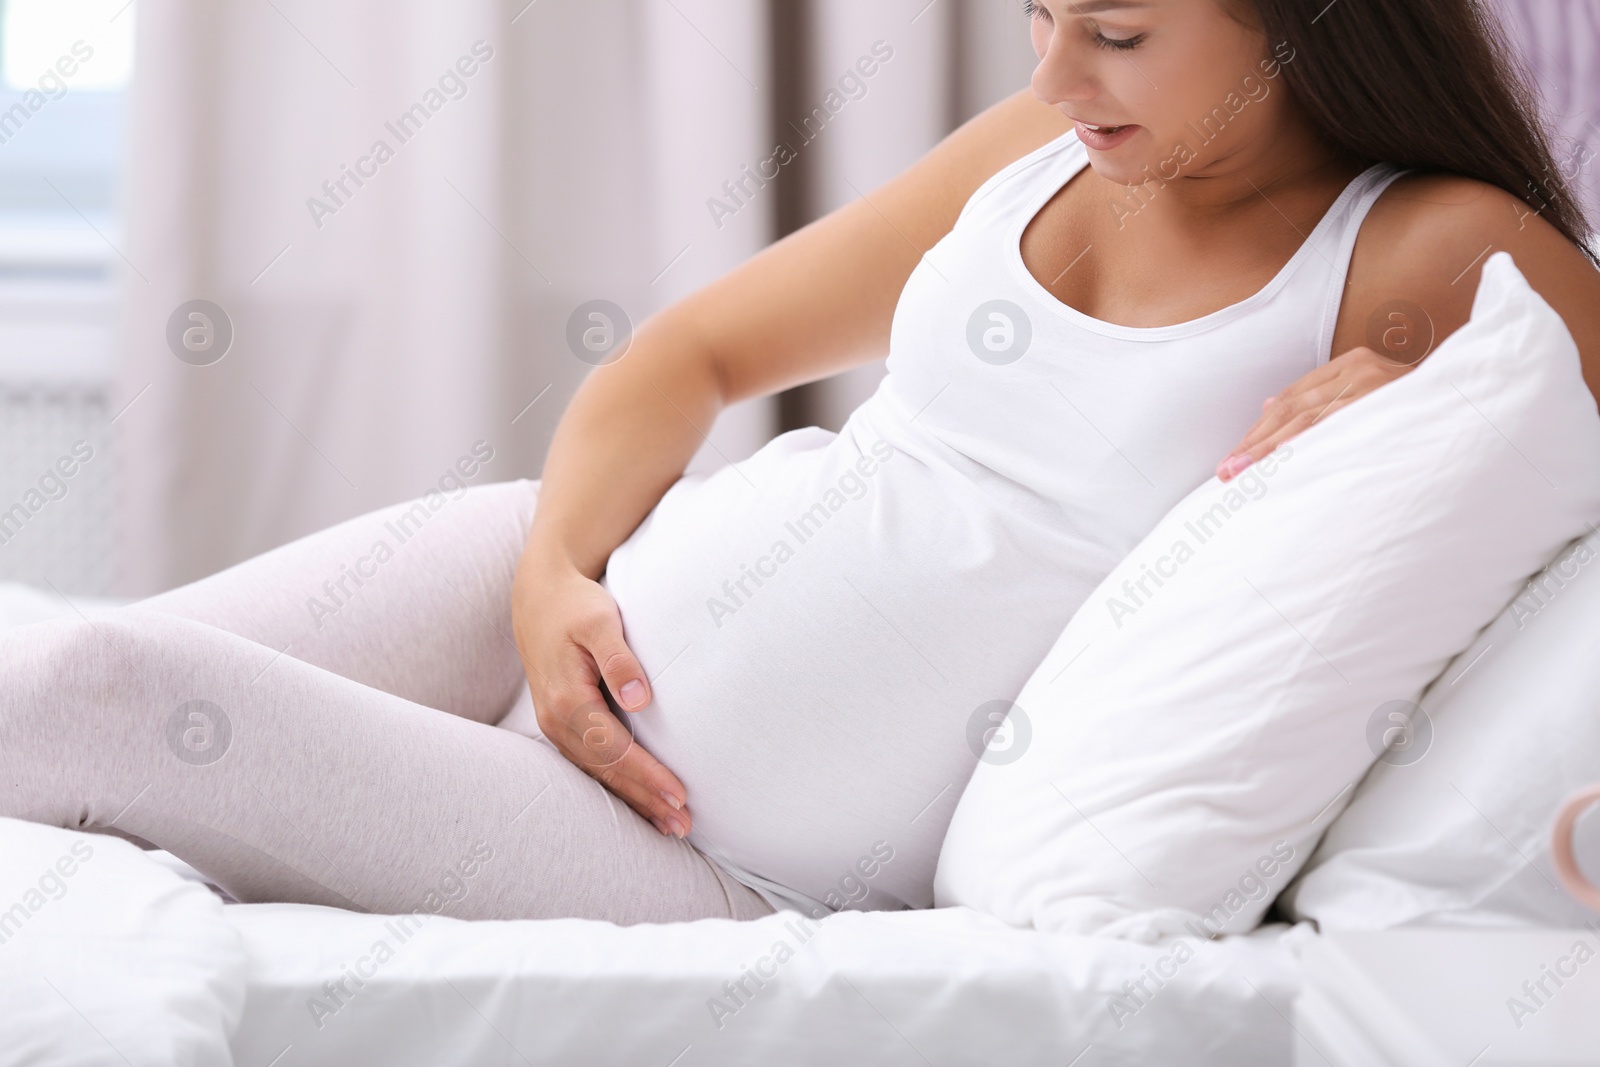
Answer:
(1103, 138)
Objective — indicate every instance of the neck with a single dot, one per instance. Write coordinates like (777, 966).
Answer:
(1281, 161)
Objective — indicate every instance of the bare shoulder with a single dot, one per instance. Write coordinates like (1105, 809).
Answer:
(1006, 132)
(1000, 135)
(1425, 241)
(822, 299)
(929, 195)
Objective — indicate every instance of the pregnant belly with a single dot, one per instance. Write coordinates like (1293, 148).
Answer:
(821, 627)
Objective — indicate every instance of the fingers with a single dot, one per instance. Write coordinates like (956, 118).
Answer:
(1336, 384)
(602, 637)
(574, 650)
(1284, 416)
(1231, 463)
(589, 735)
(1251, 448)
(1294, 427)
(634, 778)
(1289, 423)
(641, 780)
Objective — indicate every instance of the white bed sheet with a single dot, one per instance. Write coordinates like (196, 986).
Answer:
(941, 987)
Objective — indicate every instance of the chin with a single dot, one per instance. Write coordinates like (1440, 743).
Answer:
(1120, 168)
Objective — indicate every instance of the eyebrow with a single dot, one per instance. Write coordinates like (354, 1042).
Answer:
(1090, 7)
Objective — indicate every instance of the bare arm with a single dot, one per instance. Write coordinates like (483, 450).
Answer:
(1420, 254)
(1426, 241)
(816, 303)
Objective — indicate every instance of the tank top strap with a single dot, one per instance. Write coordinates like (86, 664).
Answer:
(1340, 241)
(1040, 173)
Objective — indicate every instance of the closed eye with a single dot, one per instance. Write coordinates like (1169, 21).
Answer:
(1120, 44)
(1035, 10)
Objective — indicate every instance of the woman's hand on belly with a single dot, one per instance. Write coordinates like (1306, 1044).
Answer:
(569, 633)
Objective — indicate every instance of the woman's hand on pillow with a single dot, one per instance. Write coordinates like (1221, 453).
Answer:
(569, 633)
(1336, 384)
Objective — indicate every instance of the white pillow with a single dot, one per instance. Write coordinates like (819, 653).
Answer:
(1204, 715)
(109, 958)
(1457, 831)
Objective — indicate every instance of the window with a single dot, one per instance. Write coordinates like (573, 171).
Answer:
(63, 67)
(36, 33)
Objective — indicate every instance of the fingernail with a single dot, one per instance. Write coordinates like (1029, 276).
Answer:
(632, 693)
(679, 827)
(670, 799)
(660, 826)
(1233, 465)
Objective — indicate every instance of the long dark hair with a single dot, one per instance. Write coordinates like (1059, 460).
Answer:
(1431, 85)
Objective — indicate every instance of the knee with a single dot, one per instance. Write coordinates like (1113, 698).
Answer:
(113, 682)
(55, 676)
(515, 498)
(63, 668)
(83, 712)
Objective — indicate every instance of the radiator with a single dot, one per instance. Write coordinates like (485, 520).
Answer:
(56, 463)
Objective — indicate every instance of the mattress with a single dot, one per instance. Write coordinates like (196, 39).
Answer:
(940, 987)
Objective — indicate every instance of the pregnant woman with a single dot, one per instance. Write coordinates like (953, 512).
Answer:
(766, 688)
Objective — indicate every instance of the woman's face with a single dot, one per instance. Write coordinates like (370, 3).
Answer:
(1189, 83)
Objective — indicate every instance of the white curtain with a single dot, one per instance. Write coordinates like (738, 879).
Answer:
(382, 329)
(394, 304)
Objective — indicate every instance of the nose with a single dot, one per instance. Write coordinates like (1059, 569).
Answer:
(1063, 74)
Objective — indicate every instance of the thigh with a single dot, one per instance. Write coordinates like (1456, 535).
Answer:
(298, 784)
(413, 599)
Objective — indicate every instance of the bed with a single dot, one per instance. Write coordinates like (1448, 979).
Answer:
(137, 961)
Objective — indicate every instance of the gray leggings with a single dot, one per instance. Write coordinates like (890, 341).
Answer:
(317, 725)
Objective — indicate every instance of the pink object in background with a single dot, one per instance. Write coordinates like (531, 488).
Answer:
(1566, 863)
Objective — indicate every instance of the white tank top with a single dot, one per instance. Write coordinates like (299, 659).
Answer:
(829, 624)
